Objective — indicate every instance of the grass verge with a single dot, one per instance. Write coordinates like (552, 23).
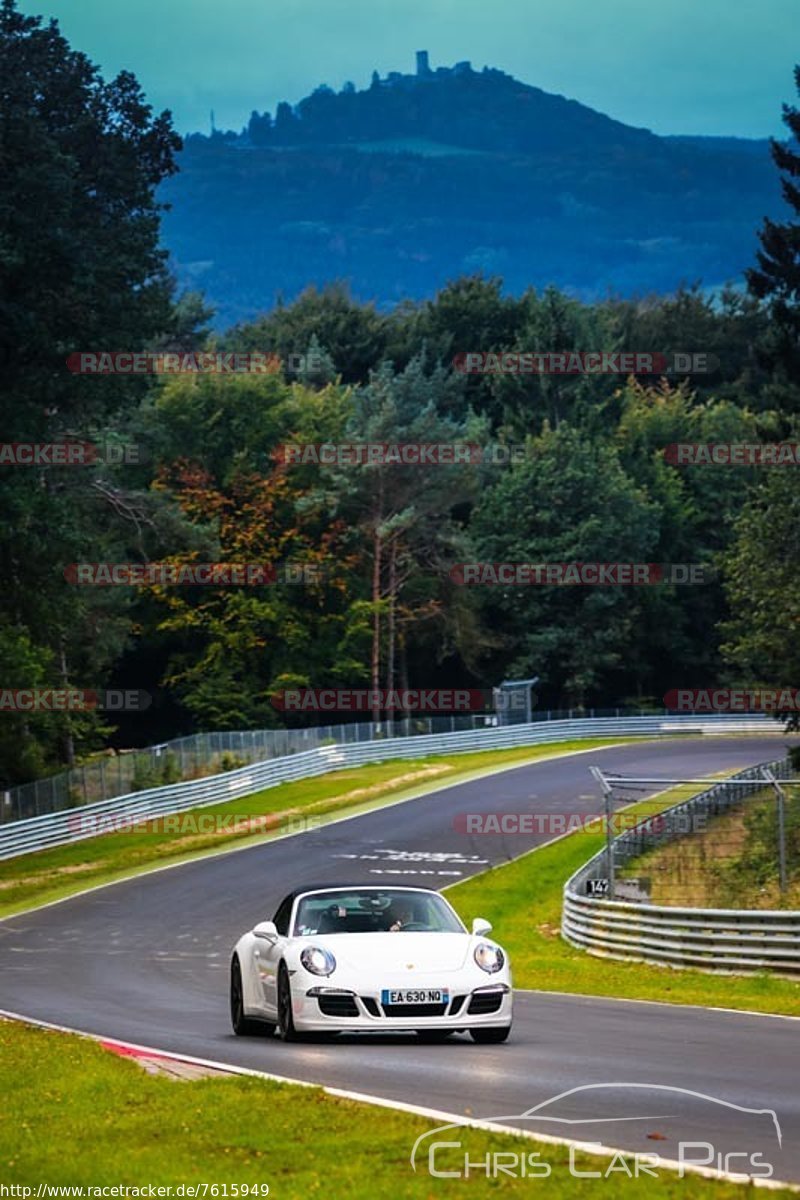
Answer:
(75, 1115)
(730, 863)
(53, 874)
(523, 901)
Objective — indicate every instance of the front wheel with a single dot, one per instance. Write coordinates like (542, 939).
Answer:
(490, 1035)
(243, 1026)
(285, 1019)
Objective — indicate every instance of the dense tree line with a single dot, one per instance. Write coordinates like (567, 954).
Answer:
(399, 216)
(590, 479)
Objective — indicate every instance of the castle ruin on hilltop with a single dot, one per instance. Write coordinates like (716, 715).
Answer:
(425, 73)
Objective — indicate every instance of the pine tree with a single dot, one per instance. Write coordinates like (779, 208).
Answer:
(777, 277)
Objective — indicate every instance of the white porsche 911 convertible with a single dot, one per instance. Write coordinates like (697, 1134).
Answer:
(367, 957)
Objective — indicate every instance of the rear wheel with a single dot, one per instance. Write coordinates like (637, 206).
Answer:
(285, 1019)
(244, 1026)
(490, 1035)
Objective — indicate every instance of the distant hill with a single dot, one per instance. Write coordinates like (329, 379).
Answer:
(420, 178)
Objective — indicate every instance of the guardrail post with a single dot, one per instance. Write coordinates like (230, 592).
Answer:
(780, 797)
(608, 792)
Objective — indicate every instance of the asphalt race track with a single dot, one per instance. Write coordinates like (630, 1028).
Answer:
(146, 961)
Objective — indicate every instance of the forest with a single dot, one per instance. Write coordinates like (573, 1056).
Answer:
(411, 182)
(190, 467)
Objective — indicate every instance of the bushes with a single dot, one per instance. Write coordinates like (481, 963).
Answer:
(155, 772)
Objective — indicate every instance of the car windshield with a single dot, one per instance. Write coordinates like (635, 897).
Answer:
(374, 911)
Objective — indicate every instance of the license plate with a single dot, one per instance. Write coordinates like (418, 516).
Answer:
(415, 996)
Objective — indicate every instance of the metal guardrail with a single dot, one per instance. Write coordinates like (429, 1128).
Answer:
(199, 754)
(89, 820)
(725, 940)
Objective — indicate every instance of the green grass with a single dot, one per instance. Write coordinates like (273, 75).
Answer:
(522, 899)
(53, 874)
(74, 1114)
(523, 902)
(732, 862)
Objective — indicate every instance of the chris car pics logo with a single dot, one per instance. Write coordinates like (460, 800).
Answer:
(689, 1121)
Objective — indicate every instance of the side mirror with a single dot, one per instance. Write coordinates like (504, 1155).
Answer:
(479, 926)
(265, 929)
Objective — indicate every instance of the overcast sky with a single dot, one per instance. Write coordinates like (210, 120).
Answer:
(674, 66)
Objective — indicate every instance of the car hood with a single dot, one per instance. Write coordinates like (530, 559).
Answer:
(397, 951)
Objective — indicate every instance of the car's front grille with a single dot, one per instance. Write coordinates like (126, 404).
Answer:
(485, 1002)
(333, 1005)
(371, 1006)
(414, 1010)
(455, 1006)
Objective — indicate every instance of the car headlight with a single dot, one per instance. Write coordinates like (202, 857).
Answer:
(489, 958)
(318, 961)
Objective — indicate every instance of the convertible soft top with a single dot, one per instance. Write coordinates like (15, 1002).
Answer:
(352, 887)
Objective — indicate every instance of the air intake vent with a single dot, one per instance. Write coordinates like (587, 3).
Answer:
(338, 1006)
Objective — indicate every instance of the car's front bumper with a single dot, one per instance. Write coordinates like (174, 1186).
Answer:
(323, 1006)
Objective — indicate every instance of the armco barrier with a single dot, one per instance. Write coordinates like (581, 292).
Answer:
(738, 941)
(55, 829)
(107, 776)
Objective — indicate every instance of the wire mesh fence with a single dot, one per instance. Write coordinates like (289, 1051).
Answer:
(742, 937)
(202, 754)
(737, 845)
(197, 755)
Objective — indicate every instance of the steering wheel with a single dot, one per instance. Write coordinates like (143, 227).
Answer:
(415, 926)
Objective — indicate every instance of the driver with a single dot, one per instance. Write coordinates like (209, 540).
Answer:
(404, 917)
